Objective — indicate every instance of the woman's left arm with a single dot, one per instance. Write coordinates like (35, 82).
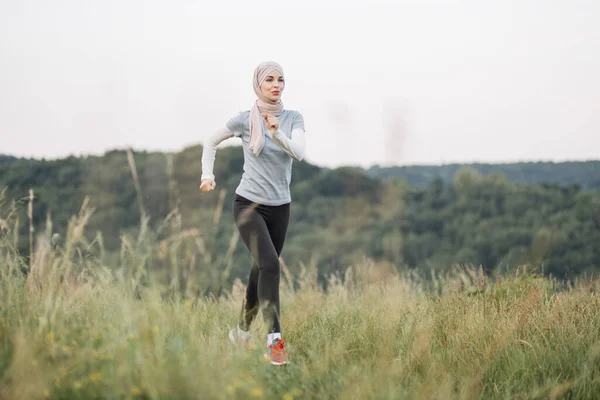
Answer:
(294, 147)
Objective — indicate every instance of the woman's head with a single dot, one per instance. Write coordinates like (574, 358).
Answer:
(269, 82)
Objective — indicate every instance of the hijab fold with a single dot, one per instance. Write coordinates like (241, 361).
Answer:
(262, 105)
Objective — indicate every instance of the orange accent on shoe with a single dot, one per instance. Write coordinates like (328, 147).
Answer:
(277, 353)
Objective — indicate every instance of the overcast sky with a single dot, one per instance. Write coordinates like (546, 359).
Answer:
(378, 82)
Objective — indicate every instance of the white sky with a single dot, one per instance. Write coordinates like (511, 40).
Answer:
(378, 82)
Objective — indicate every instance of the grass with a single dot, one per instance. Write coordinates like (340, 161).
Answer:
(72, 327)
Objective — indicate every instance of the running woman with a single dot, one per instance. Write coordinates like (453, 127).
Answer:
(272, 137)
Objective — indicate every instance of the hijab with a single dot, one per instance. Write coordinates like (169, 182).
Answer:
(262, 105)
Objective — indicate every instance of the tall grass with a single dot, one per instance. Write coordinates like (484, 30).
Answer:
(74, 326)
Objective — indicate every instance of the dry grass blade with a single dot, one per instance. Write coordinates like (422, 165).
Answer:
(136, 183)
(219, 208)
(30, 217)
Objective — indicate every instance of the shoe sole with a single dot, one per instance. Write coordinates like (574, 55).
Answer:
(267, 359)
(279, 364)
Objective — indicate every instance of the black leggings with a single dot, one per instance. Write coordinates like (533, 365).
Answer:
(263, 229)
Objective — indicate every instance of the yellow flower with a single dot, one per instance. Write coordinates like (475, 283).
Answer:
(292, 394)
(74, 342)
(46, 393)
(135, 391)
(77, 385)
(95, 376)
(155, 329)
(103, 356)
(257, 392)
(50, 336)
(230, 389)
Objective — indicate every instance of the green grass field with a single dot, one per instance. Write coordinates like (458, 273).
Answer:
(74, 328)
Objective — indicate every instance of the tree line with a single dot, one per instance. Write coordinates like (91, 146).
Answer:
(457, 215)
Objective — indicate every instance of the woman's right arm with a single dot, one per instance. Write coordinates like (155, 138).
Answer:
(209, 152)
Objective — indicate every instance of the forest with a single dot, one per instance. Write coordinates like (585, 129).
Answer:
(545, 216)
(584, 173)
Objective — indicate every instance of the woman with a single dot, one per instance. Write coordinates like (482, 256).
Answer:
(272, 138)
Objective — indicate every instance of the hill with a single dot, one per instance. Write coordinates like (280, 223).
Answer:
(339, 216)
(584, 173)
(4, 159)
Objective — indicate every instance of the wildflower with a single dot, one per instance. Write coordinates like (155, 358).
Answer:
(135, 391)
(257, 392)
(95, 376)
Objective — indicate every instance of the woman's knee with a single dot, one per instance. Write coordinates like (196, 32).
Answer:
(269, 264)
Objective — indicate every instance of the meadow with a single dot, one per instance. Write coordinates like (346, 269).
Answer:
(74, 327)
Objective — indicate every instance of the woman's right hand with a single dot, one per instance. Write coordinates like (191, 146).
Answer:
(207, 185)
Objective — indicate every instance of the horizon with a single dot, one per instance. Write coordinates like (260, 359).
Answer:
(140, 150)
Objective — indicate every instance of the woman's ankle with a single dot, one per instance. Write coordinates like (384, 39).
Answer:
(272, 336)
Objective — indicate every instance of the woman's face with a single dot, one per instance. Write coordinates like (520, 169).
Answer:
(272, 86)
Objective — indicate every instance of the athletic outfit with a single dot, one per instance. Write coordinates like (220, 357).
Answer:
(261, 207)
(266, 177)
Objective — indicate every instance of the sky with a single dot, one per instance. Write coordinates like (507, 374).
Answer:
(378, 82)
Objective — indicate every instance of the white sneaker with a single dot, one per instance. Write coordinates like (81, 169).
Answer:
(240, 337)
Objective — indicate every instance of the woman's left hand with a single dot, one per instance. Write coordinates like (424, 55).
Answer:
(272, 122)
